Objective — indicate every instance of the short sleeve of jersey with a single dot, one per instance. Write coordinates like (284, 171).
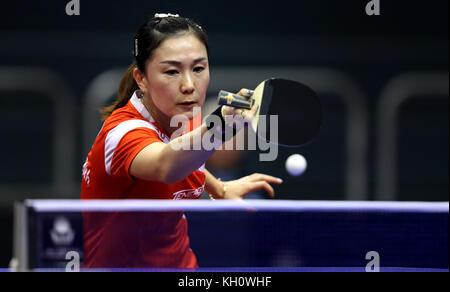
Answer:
(129, 145)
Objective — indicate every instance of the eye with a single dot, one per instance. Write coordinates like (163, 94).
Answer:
(171, 72)
(198, 69)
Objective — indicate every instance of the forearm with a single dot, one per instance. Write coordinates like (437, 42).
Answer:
(188, 152)
(185, 154)
(174, 161)
(214, 186)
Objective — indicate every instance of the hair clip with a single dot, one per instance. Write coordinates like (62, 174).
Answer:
(164, 15)
(135, 47)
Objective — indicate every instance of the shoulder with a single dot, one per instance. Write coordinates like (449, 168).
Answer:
(123, 120)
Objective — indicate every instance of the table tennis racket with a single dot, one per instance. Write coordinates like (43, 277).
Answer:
(297, 106)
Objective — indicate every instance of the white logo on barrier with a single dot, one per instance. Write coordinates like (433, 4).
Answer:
(73, 7)
(189, 194)
(373, 8)
(74, 264)
(374, 264)
(62, 232)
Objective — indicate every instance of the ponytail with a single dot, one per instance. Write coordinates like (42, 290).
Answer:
(126, 89)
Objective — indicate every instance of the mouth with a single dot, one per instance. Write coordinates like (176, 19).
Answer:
(187, 103)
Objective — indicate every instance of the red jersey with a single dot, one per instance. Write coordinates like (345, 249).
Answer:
(134, 239)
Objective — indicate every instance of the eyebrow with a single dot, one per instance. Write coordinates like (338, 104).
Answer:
(177, 63)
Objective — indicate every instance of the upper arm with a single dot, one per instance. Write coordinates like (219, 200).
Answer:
(147, 163)
(125, 142)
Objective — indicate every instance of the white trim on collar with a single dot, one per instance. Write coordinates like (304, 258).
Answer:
(139, 106)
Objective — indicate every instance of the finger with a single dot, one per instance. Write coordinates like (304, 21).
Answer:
(227, 110)
(245, 92)
(254, 110)
(264, 177)
(249, 115)
(262, 185)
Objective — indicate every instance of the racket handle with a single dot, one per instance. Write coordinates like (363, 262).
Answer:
(234, 100)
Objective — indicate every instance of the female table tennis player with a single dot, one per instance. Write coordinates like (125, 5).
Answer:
(132, 157)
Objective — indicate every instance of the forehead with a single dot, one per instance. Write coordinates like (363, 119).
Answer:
(180, 47)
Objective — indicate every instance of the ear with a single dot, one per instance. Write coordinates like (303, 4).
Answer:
(140, 79)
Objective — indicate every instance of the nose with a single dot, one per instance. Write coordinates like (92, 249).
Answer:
(187, 84)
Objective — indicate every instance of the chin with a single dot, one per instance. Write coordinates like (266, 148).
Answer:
(191, 113)
(188, 115)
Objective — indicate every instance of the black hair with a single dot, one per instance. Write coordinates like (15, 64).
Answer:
(149, 36)
(152, 33)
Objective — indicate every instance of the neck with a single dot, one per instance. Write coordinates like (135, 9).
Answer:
(160, 118)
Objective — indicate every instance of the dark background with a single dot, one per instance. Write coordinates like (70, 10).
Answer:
(408, 36)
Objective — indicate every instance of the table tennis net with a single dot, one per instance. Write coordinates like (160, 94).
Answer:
(251, 234)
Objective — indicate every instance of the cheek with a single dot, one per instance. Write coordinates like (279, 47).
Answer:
(166, 104)
(203, 88)
(163, 92)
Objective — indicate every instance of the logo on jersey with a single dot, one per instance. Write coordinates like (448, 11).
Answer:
(86, 172)
(189, 194)
(162, 136)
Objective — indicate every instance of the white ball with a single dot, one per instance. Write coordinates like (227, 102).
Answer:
(296, 164)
